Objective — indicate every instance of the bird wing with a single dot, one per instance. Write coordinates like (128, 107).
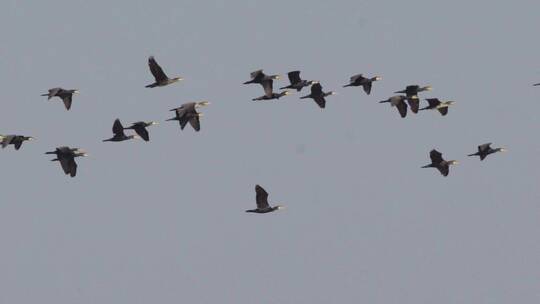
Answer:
(444, 169)
(414, 103)
(65, 163)
(53, 92)
(183, 122)
(354, 78)
(142, 132)
(367, 87)
(316, 89)
(72, 165)
(156, 70)
(195, 122)
(484, 147)
(433, 102)
(67, 101)
(6, 140)
(268, 86)
(443, 111)
(402, 108)
(261, 198)
(436, 156)
(294, 77)
(321, 101)
(256, 74)
(117, 128)
(18, 144)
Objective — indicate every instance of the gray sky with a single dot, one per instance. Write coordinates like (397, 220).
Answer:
(164, 222)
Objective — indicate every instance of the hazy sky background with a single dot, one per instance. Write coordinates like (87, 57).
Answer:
(164, 221)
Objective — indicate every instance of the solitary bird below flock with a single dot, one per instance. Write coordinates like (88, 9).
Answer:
(161, 78)
(188, 113)
(118, 131)
(15, 140)
(438, 162)
(140, 128)
(261, 198)
(398, 101)
(360, 80)
(297, 83)
(66, 157)
(436, 104)
(65, 95)
(318, 95)
(485, 150)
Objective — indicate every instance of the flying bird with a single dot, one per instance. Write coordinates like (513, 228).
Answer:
(161, 78)
(297, 83)
(188, 113)
(272, 95)
(485, 150)
(66, 157)
(536, 84)
(140, 128)
(360, 80)
(436, 104)
(118, 131)
(261, 198)
(266, 81)
(438, 162)
(398, 101)
(65, 95)
(412, 95)
(318, 95)
(16, 140)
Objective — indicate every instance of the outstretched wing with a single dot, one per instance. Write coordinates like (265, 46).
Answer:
(402, 108)
(294, 77)
(72, 165)
(18, 144)
(433, 102)
(483, 148)
(142, 132)
(67, 101)
(443, 111)
(367, 87)
(117, 128)
(414, 103)
(268, 86)
(156, 70)
(356, 78)
(195, 122)
(444, 169)
(316, 89)
(436, 156)
(261, 197)
(321, 101)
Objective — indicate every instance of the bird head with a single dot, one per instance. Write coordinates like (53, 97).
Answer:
(453, 162)
(314, 82)
(376, 78)
(175, 79)
(275, 77)
(450, 102)
(76, 91)
(151, 123)
(427, 88)
(202, 103)
(502, 149)
(279, 207)
(28, 138)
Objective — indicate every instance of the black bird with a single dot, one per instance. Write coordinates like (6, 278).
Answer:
(272, 95)
(161, 78)
(536, 84)
(398, 101)
(266, 81)
(188, 113)
(140, 128)
(360, 80)
(66, 157)
(412, 93)
(119, 134)
(16, 140)
(485, 150)
(438, 162)
(65, 95)
(262, 202)
(318, 95)
(297, 83)
(436, 104)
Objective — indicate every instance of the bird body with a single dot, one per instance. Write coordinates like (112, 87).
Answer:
(297, 83)
(266, 81)
(161, 79)
(15, 140)
(188, 113)
(261, 198)
(140, 128)
(66, 156)
(118, 131)
(439, 163)
(272, 96)
(485, 150)
(398, 101)
(411, 91)
(65, 95)
(436, 104)
(360, 80)
(318, 95)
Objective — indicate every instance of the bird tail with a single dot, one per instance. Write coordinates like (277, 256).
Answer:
(347, 85)
(400, 92)
(474, 154)
(304, 97)
(248, 82)
(383, 101)
(426, 166)
(46, 94)
(174, 118)
(153, 85)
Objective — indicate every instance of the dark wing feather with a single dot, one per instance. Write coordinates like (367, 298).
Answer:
(433, 102)
(444, 169)
(367, 87)
(443, 111)
(294, 77)
(156, 70)
(142, 132)
(18, 144)
(436, 156)
(183, 122)
(72, 167)
(53, 92)
(316, 89)
(268, 86)
(261, 197)
(195, 122)
(320, 100)
(483, 148)
(356, 78)
(257, 74)
(64, 162)
(117, 128)
(414, 103)
(67, 101)
(402, 108)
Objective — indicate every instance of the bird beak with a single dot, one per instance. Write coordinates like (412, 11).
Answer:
(378, 78)
(154, 123)
(31, 138)
(280, 207)
(504, 150)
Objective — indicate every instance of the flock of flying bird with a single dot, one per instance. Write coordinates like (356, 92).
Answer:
(407, 98)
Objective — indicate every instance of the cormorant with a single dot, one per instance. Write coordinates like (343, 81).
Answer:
(65, 95)
(536, 84)
(272, 95)
(436, 104)
(16, 140)
(360, 80)
(262, 202)
(66, 157)
(398, 101)
(160, 76)
(188, 113)
(318, 95)
(412, 93)
(297, 83)
(266, 81)
(438, 162)
(140, 128)
(485, 150)
(119, 134)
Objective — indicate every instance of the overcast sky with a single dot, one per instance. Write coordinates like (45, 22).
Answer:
(164, 221)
